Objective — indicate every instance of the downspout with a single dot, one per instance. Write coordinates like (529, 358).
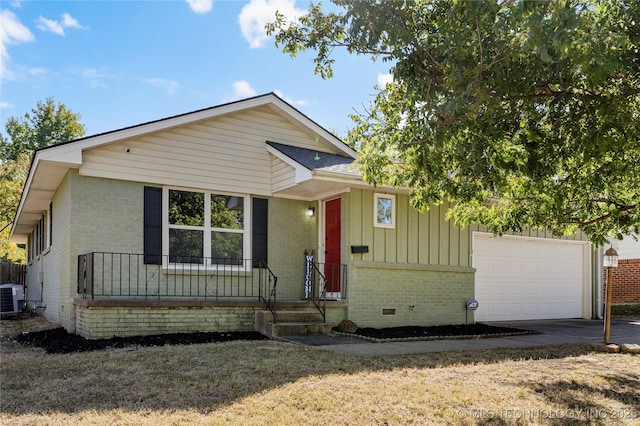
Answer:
(41, 307)
(598, 280)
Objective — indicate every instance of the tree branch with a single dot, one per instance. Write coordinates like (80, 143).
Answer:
(583, 223)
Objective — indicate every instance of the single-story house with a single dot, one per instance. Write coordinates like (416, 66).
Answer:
(198, 221)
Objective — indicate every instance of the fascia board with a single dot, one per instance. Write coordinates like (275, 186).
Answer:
(357, 182)
(24, 195)
(165, 124)
(314, 127)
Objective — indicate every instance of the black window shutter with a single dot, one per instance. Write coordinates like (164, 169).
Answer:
(260, 219)
(152, 225)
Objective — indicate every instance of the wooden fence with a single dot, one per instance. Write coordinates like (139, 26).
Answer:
(11, 273)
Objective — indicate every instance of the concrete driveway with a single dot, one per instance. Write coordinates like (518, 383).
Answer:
(552, 332)
(623, 330)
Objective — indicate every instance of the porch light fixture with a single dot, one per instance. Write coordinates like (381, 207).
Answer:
(610, 262)
(611, 258)
(310, 211)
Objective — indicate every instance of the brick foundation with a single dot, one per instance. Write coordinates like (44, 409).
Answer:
(106, 319)
(626, 282)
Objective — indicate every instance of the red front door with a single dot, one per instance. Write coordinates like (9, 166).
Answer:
(332, 245)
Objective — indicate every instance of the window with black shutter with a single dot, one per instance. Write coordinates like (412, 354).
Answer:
(260, 220)
(152, 225)
(203, 227)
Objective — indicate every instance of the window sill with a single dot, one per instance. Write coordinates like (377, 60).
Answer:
(189, 269)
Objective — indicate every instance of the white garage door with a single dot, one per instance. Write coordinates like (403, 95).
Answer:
(520, 278)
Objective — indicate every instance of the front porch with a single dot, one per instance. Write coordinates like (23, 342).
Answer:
(119, 294)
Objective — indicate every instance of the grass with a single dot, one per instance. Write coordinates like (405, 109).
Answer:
(273, 383)
(633, 310)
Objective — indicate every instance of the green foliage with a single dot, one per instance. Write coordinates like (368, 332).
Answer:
(522, 113)
(12, 178)
(47, 124)
(186, 208)
(625, 310)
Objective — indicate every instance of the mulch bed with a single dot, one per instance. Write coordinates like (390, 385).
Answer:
(437, 332)
(59, 341)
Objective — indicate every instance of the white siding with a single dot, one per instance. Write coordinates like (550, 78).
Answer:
(226, 153)
(283, 175)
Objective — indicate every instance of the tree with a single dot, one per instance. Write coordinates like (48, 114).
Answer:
(522, 113)
(13, 174)
(47, 125)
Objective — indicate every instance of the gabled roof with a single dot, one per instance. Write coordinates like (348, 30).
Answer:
(272, 99)
(50, 165)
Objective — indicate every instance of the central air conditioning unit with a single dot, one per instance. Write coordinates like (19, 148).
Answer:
(11, 299)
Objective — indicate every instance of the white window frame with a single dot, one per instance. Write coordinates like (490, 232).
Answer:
(46, 247)
(376, 199)
(206, 229)
(39, 241)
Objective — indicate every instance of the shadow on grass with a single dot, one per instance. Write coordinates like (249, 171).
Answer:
(579, 398)
(204, 377)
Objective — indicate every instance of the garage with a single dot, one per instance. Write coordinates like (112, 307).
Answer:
(524, 278)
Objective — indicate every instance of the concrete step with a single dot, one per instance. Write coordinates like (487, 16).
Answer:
(291, 323)
(299, 328)
(291, 315)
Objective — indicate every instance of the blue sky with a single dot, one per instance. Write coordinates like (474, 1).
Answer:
(121, 63)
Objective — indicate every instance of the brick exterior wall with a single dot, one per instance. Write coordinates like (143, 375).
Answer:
(392, 295)
(103, 319)
(122, 321)
(626, 282)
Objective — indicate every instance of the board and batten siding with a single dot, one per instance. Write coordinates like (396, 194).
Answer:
(423, 238)
(225, 153)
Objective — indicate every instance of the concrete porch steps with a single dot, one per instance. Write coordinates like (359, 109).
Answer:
(293, 322)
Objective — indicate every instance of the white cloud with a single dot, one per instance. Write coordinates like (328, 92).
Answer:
(11, 32)
(291, 101)
(384, 79)
(37, 71)
(242, 89)
(4, 105)
(50, 25)
(69, 21)
(58, 27)
(95, 78)
(258, 13)
(200, 6)
(169, 85)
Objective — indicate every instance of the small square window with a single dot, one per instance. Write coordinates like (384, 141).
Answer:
(384, 211)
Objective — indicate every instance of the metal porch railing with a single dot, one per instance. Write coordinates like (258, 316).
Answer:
(104, 275)
(323, 280)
